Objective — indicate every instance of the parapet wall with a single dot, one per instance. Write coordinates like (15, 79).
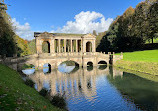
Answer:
(55, 59)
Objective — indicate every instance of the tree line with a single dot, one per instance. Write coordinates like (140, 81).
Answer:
(131, 30)
(10, 43)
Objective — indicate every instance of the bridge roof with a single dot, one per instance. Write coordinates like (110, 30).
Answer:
(36, 34)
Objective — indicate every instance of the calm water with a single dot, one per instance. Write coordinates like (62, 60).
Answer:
(97, 88)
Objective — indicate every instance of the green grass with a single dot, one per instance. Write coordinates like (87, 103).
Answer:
(146, 56)
(145, 67)
(140, 61)
(15, 95)
(140, 74)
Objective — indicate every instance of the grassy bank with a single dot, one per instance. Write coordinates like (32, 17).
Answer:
(140, 61)
(140, 74)
(15, 95)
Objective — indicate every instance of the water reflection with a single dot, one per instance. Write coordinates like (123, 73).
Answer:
(81, 81)
(143, 92)
(63, 68)
(98, 88)
(46, 68)
(102, 67)
(28, 71)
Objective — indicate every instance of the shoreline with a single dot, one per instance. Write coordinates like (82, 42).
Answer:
(148, 70)
(18, 95)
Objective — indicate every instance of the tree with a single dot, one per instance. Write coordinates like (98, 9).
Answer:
(10, 43)
(94, 32)
(99, 37)
(153, 21)
(7, 42)
(104, 45)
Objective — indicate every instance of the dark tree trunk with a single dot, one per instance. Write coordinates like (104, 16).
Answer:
(152, 40)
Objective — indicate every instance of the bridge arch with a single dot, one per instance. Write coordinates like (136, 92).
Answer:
(69, 63)
(89, 66)
(102, 62)
(89, 46)
(27, 66)
(89, 63)
(46, 47)
(102, 65)
(47, 68)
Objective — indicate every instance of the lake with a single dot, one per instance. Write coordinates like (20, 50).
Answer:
(99, 88)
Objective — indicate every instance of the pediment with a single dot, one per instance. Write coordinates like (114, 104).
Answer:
(46, 34)
(89, 36)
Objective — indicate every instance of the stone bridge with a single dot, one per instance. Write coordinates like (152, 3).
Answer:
(55, 60)
(38, 60)
(56, 48)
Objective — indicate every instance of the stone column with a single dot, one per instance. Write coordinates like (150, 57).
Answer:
(39, 46)
(68, 49)
(57, 50)
(76, 45)
(94, 46)
(71, 45)
(59, 45)
(84, 46)
(39, 49)
(52, 48)
(65, 45)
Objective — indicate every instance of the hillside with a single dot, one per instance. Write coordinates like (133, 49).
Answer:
(18, 96)
(140, 61)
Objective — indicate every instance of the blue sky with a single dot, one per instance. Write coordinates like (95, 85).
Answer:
(53, 15)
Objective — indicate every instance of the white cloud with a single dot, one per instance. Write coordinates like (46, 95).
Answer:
(86, 22)
(24, 31)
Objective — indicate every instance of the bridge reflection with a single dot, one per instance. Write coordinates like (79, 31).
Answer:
(80, 82)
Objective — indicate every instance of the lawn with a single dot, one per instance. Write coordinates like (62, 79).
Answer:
(15, 95)
(146, 56)
(140, 61)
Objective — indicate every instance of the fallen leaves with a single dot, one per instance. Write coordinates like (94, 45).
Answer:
(45, 107)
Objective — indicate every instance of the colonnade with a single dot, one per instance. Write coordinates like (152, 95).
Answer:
(65, 43)
(68, 45)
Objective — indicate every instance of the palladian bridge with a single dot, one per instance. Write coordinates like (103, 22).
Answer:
(69, 47)
(80, 48)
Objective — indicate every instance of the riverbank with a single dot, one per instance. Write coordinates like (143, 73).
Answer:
(147, 76)
(139, 66)
(140, 61)
(15, 95)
